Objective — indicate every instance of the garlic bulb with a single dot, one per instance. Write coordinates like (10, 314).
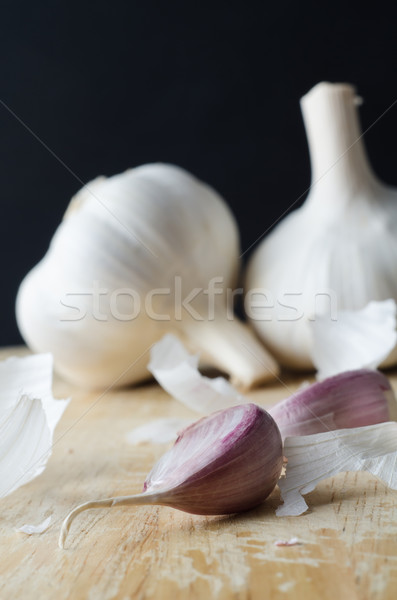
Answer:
(339, 250)
(225, 463)
(137, 255)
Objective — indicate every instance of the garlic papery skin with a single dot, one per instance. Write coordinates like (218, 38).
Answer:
(28, 417)
(312, 458)
(225, 463)
(351, 399)
(139, 254)
(178, 374)
(357, 339)
(339, 250)
(33, 529)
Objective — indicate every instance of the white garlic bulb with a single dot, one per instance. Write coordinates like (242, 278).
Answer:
(139, 254)
(339, 250)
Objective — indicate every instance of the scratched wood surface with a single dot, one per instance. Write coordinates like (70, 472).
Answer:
(348, 538)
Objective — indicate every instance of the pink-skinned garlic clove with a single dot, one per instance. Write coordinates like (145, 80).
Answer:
(225, 463)
(350, 399)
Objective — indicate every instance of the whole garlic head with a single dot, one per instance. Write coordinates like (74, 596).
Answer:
(339, 250)
(130, 251)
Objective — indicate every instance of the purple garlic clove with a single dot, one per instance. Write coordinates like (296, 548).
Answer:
(225, 463)
(350, 399)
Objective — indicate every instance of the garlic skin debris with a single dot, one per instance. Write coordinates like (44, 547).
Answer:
(178, 374)
(225, 463)
(138, 254)
(28, 417)
(357, 339)
(351, 399)
(313, 458)
(32, 529)
(339, 250)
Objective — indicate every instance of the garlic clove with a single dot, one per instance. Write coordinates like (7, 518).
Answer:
(348, 400)
(123, 269)
(337, 262)
(316, 457)
(355, 340)
(225, 463)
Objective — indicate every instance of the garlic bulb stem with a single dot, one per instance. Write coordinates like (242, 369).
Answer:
(136, 500)
(231, 346)
(338, 158)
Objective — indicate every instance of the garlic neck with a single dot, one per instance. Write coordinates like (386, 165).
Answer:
(338, 159)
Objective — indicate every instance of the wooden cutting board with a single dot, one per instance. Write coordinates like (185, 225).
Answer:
(348, 538)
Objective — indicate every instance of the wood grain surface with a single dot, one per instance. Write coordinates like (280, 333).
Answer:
(348, 538)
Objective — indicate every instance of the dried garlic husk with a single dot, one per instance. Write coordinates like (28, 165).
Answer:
(316, 457)
(28, 417)
(355, 340)
(33, 529)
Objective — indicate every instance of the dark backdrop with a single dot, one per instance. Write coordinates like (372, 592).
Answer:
(211, 86)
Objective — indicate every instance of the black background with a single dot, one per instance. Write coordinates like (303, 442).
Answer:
(211, 86)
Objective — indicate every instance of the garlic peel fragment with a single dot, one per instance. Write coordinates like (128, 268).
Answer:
(177, 372)
(25, 444)
(27, 422)
(28, 374)
(319, 456)
(294, 541)
(360, 339)
(31, 529)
